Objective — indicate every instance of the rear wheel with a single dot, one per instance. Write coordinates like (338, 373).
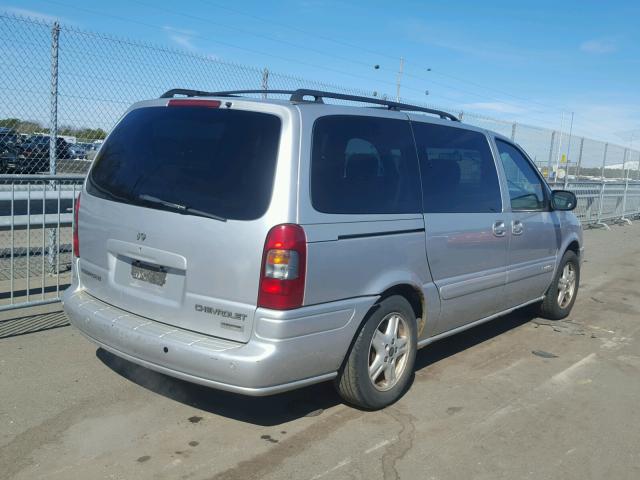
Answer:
(380, 363)
(562, 293)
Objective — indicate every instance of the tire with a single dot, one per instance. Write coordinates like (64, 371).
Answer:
(354, 384)
(554, 306)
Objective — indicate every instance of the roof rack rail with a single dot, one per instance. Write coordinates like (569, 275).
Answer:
(318, 95)
(231, 93)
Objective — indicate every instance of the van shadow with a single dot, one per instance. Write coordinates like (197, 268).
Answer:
(306, 402)
(448, 347)
(265, 411)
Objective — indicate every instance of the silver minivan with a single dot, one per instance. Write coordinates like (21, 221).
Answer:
(258, 245)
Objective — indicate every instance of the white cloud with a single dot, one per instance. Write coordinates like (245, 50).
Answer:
(498, 107)
(599, 46)
(312, 4)
(182, 38)
(43, 17)
(610, 121)
(441, 36)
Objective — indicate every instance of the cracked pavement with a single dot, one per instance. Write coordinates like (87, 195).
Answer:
(520, 397)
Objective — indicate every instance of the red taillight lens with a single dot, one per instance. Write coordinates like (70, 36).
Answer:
(76, 240)
(188, 102)
(284, 261)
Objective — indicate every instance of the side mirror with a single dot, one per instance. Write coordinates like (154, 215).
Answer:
(563, 200)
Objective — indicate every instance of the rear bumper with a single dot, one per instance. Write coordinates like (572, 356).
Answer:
(287, 350)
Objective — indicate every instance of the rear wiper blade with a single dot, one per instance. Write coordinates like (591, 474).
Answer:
(152, 199)
(200, 213)
(180, 208)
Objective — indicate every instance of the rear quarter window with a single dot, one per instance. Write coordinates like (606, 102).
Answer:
(219, 161)
(364, 165)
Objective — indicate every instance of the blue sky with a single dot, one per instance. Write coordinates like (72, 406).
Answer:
(525, 61)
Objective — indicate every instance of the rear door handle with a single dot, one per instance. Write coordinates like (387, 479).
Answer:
(498, 228)
(517, 227)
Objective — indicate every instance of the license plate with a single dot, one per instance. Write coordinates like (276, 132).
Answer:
(148, 273)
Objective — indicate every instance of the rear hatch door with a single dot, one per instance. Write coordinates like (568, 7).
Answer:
(170, 225)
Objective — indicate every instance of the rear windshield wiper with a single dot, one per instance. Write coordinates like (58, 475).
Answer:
(179, 207)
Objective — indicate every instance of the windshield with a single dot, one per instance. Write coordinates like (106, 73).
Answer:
(217, 161)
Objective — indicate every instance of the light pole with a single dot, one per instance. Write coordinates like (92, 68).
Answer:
(400, 71)
(566, 175)
(559, 150)
(375, 92)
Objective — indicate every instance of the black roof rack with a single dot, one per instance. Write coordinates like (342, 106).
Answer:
(231, 93)
(318, 95)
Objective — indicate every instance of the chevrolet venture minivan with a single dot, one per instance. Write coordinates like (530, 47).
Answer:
(258, 245)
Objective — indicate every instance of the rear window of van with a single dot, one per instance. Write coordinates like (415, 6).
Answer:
(218, 161)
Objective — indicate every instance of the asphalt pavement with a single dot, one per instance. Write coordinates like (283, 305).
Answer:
(517, 398)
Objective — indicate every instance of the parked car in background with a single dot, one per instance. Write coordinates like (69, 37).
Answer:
(10, 142)
(93, 150)
(34, 154)
(258, 246)
(77, 151)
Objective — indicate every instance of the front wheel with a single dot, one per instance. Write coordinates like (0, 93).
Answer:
(380, 363)
(563, 291)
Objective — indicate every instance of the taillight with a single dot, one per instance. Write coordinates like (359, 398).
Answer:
(76, 240)
(188, 102)
(284, 262)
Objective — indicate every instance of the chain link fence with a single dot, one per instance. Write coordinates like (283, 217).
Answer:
(62, 89)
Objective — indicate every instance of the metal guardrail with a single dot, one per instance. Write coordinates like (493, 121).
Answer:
(36, 220)
(601, 203)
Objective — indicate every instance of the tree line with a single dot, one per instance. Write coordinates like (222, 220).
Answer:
(30, 127)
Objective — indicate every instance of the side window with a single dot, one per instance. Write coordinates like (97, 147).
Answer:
(458, 171)
(364, 165)
(525, 187)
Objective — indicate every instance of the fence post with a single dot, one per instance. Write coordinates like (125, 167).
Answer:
(579, 159)
(626, 187)
(265, 81)
(602, 184)
(513, 132)
(553, 141)
(604, 161)
(53, 156)
(53, 127)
